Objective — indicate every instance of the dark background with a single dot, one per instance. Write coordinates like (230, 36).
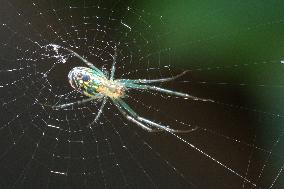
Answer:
(233, 50)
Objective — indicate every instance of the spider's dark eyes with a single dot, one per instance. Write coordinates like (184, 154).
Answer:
(79, 75)
(86, 78)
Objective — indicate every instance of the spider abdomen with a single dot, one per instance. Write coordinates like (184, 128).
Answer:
(111, 89)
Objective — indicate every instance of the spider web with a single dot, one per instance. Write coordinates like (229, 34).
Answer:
(235, 142)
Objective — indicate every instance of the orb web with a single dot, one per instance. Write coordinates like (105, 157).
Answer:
(235, 139)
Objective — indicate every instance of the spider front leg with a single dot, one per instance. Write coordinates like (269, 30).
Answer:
(74, 103)
(113, 63)
(89, 64)
(100, 111)
(141, 121)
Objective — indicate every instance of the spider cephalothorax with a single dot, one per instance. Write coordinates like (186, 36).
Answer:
(90, 83)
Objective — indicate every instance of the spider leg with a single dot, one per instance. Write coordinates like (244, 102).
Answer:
(134, 116)
(100, 111)
(166, 91)
(148, 81)
(73, 103)
(113, 63)
(89, 64)
(132, 119)
(85, 61)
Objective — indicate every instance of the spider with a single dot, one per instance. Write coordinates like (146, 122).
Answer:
(95, 84)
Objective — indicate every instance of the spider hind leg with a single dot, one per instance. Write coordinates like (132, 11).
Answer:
(166, 91)
(132, 119)
(132, 116)
(150, 81)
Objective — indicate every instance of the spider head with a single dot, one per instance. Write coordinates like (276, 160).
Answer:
(79, 76)
(86, 81)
